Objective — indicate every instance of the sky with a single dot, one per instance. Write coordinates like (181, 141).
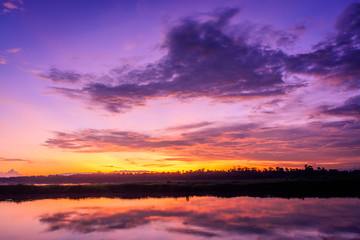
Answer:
(90, 85)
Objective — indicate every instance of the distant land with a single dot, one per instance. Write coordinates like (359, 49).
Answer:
(272, 182)
(244, 173)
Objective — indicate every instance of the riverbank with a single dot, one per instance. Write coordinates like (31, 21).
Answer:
(284, 188)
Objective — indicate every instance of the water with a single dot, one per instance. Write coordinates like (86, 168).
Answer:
(194, 218)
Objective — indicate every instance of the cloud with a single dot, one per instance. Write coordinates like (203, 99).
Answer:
(335, 59)
(210, 217)
(59, 76)
(225, 62)
(195, 232)
(92, 140)
(351, 107)
(267, 35)
(220, 61)
(13, 160)
(86, 222)
(318, 141)
(201, 60)
(11, 5)
(13, 50)
(190, 126)
(2, 60)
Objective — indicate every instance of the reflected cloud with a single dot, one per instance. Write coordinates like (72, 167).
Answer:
(210, 217)
(103, 219)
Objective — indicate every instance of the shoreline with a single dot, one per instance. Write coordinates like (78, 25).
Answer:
(283, 188)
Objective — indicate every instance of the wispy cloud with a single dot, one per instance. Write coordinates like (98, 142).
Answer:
(13, 160)
(190, 126)
(320, 140)
(11, 5)
(334, 59)
(351, 107)
(3, 60)
(59, 76)
(13, 50)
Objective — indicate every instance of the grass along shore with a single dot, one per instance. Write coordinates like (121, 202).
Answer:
(285, 188)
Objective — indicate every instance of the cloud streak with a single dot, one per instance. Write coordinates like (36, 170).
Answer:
(13, 160)
(335, 59)
(320, 140)
(59, 76)
(13, 50)
(3, 60)
(351, 107)
(11, 5)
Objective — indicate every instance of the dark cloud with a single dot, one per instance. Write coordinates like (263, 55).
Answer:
(201, 60)
(59, 76)
(335, 59)
(351, 107)
(224, 62)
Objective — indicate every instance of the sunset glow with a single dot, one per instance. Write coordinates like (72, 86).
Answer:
(88, 86)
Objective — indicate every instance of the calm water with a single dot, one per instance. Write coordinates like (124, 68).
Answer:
(194, 218)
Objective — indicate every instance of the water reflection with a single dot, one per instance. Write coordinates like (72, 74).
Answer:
(199, 218)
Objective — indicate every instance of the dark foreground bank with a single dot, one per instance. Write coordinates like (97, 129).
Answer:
(299, 188)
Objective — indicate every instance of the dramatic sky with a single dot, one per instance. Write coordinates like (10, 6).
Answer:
(90, 85)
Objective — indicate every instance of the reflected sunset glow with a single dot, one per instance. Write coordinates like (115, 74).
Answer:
(194, 218)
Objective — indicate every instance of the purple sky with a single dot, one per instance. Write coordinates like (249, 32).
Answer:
(91, 86)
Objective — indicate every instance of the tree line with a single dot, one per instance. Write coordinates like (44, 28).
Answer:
(238, 173)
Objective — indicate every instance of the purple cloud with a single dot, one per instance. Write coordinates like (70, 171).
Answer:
(202, 60)
(257, 221)
(190, 126)
(59, 76)
(8, 6)
(92, 140)
(351, 107)
(335, 59)
(320, 140)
